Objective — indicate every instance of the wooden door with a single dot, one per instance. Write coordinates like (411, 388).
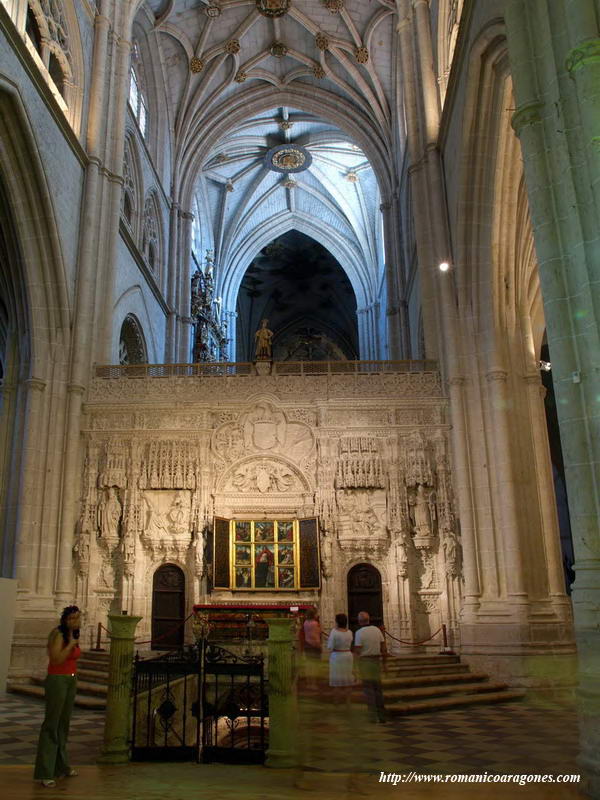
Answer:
(364, 594)
(168, 607)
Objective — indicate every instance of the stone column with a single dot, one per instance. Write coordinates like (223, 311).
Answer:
(82, 339)
(397, 323)
(547, 498)
(28, 546)
(418, 181)
(554, 54)
(504, 487)
(117, 724)
(171, 287)
(464, 495)
(185, 321)
(283, 711)
(363, 334)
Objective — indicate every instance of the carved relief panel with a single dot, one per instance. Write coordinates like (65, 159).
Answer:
(265, 429)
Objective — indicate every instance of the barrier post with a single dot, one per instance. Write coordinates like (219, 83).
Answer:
(118, 700)
(283, 722)
(446, 649)
(99, 638)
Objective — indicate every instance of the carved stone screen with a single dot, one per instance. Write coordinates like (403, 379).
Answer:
(221, 554)
(309, 554)
(364, 454)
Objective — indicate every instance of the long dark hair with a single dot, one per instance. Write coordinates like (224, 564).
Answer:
(62, 625)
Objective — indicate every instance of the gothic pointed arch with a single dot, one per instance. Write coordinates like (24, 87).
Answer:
(448, 20)
(132, 342)
(131, 198)
(502, 318)
(146, 57)
(52, 35)
(32, 276)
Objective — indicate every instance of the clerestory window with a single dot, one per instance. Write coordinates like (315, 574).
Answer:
(137, 102)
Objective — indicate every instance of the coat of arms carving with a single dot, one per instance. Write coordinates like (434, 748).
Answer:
(263, 428)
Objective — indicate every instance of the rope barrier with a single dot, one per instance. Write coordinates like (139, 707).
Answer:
(158, 638)
(414, 644)
(395, 638)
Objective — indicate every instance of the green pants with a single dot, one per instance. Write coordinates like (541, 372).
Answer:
(52, 760)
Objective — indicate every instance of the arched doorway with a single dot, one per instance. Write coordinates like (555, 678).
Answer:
(168, 607)
(364, 594)
(306, 295)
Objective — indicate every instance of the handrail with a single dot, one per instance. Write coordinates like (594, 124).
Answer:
(244, 368)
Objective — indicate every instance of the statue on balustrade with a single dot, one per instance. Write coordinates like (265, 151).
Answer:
(264, 339)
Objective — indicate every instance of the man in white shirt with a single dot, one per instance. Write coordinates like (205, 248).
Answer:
(369, 646)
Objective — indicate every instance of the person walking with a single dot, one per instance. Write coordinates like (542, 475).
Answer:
(369, 646)
(341, 661)
(311, 634)
(52, 761)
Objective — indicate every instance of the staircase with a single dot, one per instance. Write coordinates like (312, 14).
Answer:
(92, 682)
(420, 684)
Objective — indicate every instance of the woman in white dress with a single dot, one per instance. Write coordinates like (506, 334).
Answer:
(341, 660)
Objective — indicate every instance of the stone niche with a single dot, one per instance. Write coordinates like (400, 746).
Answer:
(367, 455)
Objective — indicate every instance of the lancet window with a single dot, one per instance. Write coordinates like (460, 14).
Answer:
(137, 100)
(150, 238)
(129, 196)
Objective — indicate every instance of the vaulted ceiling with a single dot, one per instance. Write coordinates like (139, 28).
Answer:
(223, 59)
(242, 202)
(244, 76)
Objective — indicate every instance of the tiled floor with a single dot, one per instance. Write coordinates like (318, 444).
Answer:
(512, 738)
(20, 721)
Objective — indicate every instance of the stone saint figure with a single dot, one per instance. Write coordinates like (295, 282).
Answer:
(263, 338)
(109, 515)
(452, 554)
(422, 512)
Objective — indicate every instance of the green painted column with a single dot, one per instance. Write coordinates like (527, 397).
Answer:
(283, 708)
(117, 725)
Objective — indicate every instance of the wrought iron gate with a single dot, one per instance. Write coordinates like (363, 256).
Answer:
(235, 707)
(205, 702)
(166, 715)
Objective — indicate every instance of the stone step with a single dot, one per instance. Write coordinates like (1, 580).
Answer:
(93, 675)
(433, 680)
(31, 690)
(457, 701)
(426, 669)
(95, 655)
(421, 692)
(416, 660)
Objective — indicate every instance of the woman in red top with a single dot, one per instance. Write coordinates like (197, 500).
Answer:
(61, 684)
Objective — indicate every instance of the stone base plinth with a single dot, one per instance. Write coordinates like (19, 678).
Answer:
(263, 367)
